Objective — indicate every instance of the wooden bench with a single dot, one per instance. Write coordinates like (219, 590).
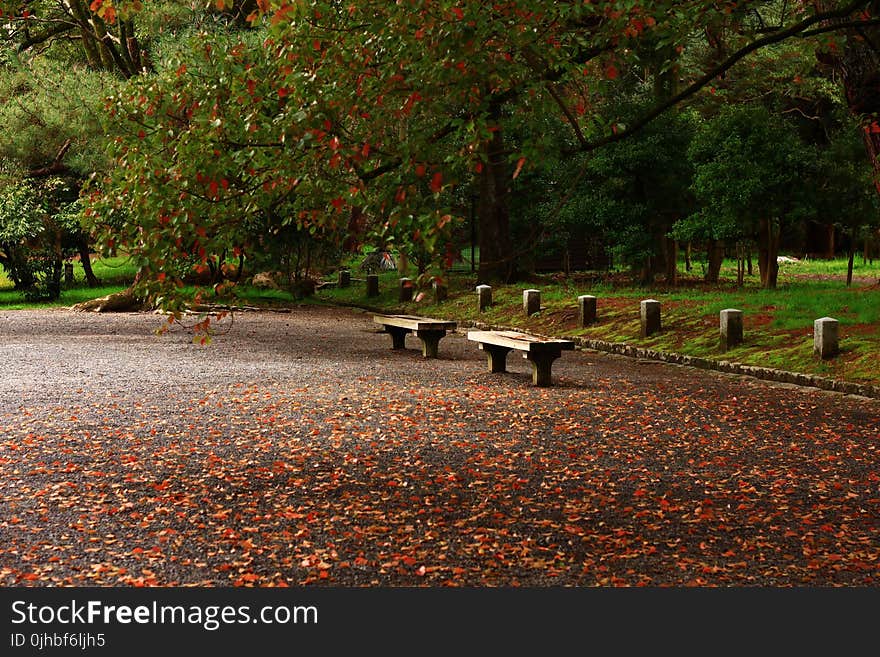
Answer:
(429, 331)
(540, 352)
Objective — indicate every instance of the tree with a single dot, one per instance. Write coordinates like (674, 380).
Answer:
(104, 33)
(748, 172)
(59, 62)
(52, 135)
(639, 189)
(857, 63)
(844, 190)
(39, 228)
(383, 108)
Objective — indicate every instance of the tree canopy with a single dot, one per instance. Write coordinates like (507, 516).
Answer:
(364, 119)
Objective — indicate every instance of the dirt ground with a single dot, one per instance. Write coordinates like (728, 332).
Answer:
(299, 449)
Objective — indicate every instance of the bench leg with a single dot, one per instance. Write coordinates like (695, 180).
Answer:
(398, 336)
(541, 365)
(430, 342)
(496, 357)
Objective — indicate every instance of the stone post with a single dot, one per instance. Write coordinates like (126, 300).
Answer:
(825, 337)
(650, 312)
(68, 273)
(586, 310)
(343, 279)
(484, 296)
(372, 285)
(406, 290)
(731, 328)
(531, 301)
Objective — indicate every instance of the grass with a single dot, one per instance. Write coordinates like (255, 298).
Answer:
(114, 273)
(12, 300)
(778, 323)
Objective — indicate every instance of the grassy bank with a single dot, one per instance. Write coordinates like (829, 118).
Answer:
(114, 274)
(778, 324)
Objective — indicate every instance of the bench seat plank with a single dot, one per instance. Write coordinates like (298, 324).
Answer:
(540, 352)
(519, 341)
(415, 323)
(429, 331)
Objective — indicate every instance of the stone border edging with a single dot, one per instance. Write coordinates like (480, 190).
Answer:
(726, 366)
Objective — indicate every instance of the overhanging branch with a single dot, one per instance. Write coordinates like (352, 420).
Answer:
(798, 30)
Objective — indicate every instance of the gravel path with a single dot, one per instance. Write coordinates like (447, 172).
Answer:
(298, 448)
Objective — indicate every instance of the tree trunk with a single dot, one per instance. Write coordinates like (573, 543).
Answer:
(687, 256)
(716, 258)
(85, 260)
(740, 264)
(54, 286)
(118, 302)
(768, 251)
(659, 249)
(86, 33)
(123, 301)
(671, 262)
(645, 273)
(858, 66)
(493, 214)
(849, 265)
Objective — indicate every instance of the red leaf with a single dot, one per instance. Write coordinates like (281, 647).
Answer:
(437, 182)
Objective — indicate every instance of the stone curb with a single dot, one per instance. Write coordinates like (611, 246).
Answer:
(726, 366)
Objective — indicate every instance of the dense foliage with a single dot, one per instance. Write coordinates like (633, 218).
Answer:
(264, 127)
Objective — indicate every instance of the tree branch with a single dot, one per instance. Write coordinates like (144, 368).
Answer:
(37, 39)
(56, 166)
(797, 30)
(841, 26)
